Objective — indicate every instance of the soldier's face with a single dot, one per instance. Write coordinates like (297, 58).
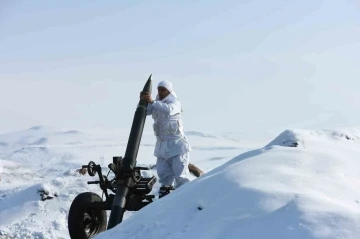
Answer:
(162, 92)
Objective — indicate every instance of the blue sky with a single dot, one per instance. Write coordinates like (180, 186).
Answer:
(236, 65)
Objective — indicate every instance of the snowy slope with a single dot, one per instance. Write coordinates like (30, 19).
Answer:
(303, 184)
(42, 160)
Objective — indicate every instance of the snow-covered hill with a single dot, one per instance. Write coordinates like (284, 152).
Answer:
(300, 184)
(41, 162)
(303, 184)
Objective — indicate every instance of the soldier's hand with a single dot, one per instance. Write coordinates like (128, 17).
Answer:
(143, 94)
(146, 96)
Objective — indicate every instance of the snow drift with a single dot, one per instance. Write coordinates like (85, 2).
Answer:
(41, 163)
(303, 184)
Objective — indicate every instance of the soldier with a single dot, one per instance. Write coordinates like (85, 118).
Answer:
(172, 147)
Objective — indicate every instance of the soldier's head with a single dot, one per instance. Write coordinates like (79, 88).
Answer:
(164, 89)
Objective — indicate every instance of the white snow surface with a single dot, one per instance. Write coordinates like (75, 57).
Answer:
(300, 184)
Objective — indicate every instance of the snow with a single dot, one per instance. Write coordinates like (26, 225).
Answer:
(309, 191)
(299, 184)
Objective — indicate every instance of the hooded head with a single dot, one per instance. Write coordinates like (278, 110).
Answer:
(164, 89)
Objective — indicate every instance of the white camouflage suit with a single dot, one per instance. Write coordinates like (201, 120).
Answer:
(172, 148)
